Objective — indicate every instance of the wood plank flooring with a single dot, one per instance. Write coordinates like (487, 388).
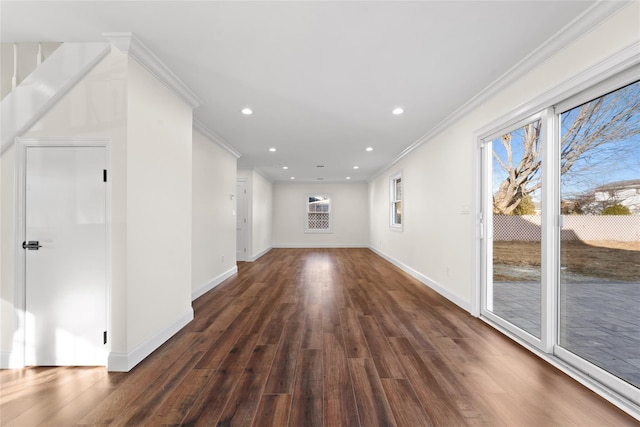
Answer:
(322, 337)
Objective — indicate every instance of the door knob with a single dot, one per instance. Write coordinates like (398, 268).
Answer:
(32, 245)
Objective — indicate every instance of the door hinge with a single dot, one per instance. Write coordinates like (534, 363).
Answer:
(104, 337)
(104, 175)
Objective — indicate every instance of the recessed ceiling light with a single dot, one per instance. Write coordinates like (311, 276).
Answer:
(293, 177)
(273, 150)
(285, 167)
(369, 149)
(356, 167)
(247, 111)
(396, 111)
(348, 177)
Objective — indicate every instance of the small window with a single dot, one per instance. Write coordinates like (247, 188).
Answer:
(318, 208)
(395, 199)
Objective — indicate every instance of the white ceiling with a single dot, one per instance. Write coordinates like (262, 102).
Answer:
(322, 77)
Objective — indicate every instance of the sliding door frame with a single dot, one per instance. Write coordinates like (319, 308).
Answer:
(614, 72)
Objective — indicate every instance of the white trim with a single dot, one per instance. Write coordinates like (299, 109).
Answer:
(392, 201)
(130, 44)
(10, 360)
(124, 362)
(425, 280)
(260, 254)
(210, 284)
(319, 245)
(200, 127)
(617, 63)
(571, 32)
(308, 230)
(45, 86)
(262, 173)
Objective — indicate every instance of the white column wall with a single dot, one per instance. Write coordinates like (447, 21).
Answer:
(214, 220)
(159, 206)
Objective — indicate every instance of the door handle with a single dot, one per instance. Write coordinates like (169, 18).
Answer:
(32, 245)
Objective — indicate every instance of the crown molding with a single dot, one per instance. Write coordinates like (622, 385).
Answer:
(569, 33)
(200, 127)
(130, 44)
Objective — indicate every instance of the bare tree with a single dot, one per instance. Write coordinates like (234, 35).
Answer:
(598, 124)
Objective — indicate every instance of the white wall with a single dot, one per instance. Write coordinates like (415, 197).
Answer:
(159, 174)
(260, 209)
(261, 215)
(349, 211)
(438, 177)
(214, 222)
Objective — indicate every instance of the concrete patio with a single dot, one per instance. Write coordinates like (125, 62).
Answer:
(599, 319)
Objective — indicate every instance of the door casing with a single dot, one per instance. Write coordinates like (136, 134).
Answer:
(22, 144)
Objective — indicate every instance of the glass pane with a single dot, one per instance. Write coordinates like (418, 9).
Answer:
(599, 293)
(515, 294)
(319, 204)
(397, 213)
(398, 195)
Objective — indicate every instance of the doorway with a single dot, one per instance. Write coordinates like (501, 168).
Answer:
(63, 251)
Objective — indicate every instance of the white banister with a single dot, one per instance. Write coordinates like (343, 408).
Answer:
(39, 55)
(41, 89)
(14, 79)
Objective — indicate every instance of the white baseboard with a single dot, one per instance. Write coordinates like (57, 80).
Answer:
(426, 280)
(255, 257)
(210, 284)
(7, 361)
(124, 362)
(320, 245)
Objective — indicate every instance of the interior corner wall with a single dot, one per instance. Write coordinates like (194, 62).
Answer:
(159, 209)
(349, 207)
(437, 243)
(214, 221)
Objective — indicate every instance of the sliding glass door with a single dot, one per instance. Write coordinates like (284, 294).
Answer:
(560, 231)
(599, 289)
(513, 202)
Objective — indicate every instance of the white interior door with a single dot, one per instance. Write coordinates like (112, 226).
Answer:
(65, 255)
(242, 226)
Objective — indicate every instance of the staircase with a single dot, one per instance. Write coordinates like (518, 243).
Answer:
(19, 60)
(45, 81)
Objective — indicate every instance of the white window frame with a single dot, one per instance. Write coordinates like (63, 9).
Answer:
(394, 199)
(307, 212)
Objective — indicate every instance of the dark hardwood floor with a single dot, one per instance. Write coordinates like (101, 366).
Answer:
(323, 337)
